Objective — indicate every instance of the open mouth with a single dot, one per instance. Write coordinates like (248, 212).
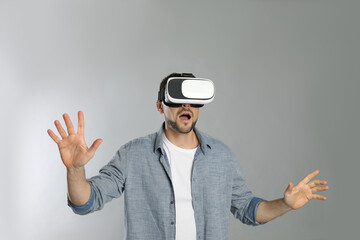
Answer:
(185, 116)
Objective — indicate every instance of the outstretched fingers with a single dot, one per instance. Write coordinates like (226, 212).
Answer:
(60, 129)
(69, 125)
(94, 146)
(53, 136)
(319, 197)
(310, 176)
(319, 189)
(81, 123)
(317, 183)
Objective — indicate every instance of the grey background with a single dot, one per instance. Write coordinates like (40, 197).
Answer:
(287, 101)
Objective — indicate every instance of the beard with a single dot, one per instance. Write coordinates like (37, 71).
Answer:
(174, 125)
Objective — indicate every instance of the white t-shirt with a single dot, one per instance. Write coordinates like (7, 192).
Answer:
(181, 163)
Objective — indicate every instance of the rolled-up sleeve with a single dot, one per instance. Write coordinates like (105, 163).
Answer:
(83, 209)
(252, 210)
(243, 204)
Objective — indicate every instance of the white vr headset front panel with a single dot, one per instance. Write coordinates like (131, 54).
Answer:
(190, 90)
(202, 89)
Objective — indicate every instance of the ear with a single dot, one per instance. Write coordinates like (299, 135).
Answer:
(159, 107)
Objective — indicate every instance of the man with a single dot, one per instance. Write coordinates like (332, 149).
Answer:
(178, 183)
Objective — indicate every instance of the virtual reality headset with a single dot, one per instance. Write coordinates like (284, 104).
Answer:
(187, 90)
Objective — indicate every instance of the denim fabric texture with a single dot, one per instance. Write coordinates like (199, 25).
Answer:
(140, 170)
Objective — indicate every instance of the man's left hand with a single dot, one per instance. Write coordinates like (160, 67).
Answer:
(297, 196)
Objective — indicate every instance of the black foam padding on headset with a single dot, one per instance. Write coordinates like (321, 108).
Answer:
(161, 95)
(174, 89)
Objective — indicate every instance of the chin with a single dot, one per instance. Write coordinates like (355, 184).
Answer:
(185, 129)
(180, 128)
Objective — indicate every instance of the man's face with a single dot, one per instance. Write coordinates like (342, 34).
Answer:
(181, 119)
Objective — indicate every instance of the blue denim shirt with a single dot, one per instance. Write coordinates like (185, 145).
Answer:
(140, 170)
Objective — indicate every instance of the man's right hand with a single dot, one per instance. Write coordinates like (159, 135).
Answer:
(73, 149)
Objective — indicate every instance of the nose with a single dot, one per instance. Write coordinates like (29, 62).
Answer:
(185, 105)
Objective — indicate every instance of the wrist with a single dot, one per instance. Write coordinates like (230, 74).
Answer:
(77, 173)
(285, 205)
(75, 170)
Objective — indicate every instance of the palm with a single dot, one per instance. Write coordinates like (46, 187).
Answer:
(302, 193)
(73, 149)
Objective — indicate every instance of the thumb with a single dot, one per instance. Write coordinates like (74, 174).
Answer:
(290, 186)
(94, 146)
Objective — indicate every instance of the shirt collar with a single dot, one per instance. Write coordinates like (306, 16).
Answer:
(204, 145)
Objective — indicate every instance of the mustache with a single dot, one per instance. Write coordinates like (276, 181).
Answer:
(182, 110)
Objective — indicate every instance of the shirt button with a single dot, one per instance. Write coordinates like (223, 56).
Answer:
(172, 202)
(172, 223)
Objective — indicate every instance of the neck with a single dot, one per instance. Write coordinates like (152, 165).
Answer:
(182, 140)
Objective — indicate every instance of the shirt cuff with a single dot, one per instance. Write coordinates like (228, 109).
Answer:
(252, 209)
(83, 209)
